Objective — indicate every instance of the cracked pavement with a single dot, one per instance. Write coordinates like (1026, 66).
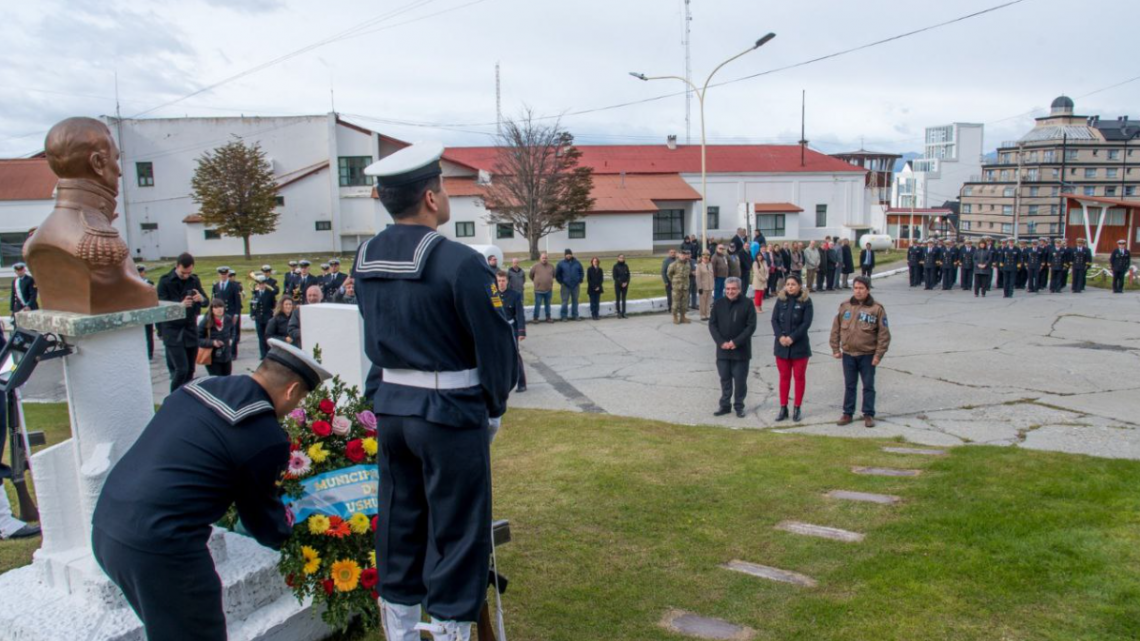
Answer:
(1047, 371)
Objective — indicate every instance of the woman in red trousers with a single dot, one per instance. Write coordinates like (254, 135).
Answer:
(791, 320)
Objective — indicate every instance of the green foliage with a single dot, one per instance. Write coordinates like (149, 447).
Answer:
(236, 191)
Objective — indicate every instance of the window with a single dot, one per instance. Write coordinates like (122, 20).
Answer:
(1090, 191)
(504, 230)
(1111, 172)
(990, 175)
(669, 224)
(1130, 190)
(1007, 210)
(1052, 210)
(1007, 228)
(1115, 217)
(1034, 192)
(279, 201)
(577, 230)
(12, 248)
(965, 225)
(148, 226)
(821, 215)
(1005, 174)
(967, 208)
(1114, 154)
(1070, 154)
(713, 221)
(968, 190)
(145, 171)
(771, 225)
(1090, 172)
(1033, 210)
(465, 229)
(1032, 175)
(1056, 173)
(1110, 191)
(1031, 227)
(1056, 191)
(352, 171)
(324, 225)
(212, 234)
(1007, 192)
(1049, 156)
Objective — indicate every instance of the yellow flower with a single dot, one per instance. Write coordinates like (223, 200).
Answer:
(318, 524)
(370, 446)
(312, 559)
(359, 523)
(318, 453)
(345, 575)
(372, 557)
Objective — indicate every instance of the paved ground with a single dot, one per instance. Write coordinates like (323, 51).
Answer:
(1047, 371)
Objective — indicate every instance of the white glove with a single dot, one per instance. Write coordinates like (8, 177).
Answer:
(493, 426)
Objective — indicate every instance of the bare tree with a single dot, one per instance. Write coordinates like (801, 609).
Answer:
(236, 191)
(537, 187)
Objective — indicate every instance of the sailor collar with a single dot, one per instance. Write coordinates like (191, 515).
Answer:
(399, 252)
(233, 398)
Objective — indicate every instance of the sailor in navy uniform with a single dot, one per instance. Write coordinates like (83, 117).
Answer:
(215, 442)
(270, 281)
(229, 290)
(447, 359)
(514, 308)
(304, 281)
(334, 280)
(24, 292)
(290, 282)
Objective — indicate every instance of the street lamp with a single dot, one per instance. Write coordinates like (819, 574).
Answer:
(701, 101)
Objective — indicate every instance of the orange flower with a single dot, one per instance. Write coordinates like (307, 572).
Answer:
(340, 530)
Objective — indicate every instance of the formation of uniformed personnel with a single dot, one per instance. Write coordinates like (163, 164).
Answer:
(931, 261)
(1043, 247)
(1081, 258)
(1031, 259)
(334, 280)
(24, 292)
(444, 363)
(262, 304)
(229, 290)
(949, 265)
(514, 309)
(914, 261)
(966, 252)
(1058, 258)
(214, 443)
(678, 274)
(1121, 262)
(1008, 262)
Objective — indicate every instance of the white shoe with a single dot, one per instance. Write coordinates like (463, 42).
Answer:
(400, 622)
(447, 630)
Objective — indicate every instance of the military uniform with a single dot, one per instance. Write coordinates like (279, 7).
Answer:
(1081, 258)
(334, 280)
(914, 260)
(230, 291)
(679, 273)
(1121, 262)
(303, 282)
(289, 284)
(1058, 268)
(514, 310)
(444, 362)
(214, 443)
(25, 295)
(966, 260)
(1031, 258)
(1010, 262)
(262, 304)
(931, 260)
(949, 266)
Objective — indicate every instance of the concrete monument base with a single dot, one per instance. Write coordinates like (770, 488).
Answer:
(64, 594)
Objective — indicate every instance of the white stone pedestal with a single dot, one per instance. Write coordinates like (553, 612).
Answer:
(339, 331)
(64, 594)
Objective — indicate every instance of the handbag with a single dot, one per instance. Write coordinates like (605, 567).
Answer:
(205, 354)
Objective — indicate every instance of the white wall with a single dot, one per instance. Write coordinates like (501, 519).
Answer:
(20, 216)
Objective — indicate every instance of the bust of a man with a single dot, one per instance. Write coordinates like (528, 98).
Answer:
(81, 263)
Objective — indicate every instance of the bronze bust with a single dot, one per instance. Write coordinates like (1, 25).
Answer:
(81, 263)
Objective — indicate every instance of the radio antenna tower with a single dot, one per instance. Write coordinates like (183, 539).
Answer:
(688, 76)
(498, 102)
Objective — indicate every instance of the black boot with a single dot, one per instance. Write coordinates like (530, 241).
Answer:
(783, 415)
(796, 415)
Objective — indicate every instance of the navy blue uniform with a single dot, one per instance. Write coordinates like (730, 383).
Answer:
(931, 261)
(261, 307)
(1059, 266)
(1082, 259)
(949, 266)
(515, 311)
(214, 442)
(332, 284)
(430, 305)
(1010, 263)
(303, 282)
(25, 295)
(914, 260)
(1121, 261)
(231, 294)
(1032, 260)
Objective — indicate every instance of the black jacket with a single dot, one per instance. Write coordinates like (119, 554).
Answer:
(231, 294)
(620, 273)
(515, 310)
(966, 257)
(848, 260)
(172, 288)
(733, 320)
(1081, 257)
(792, 318)
(863, 260)
(208, 333)
(594, 278)
(1121, 259)
(278, 327)
(27, 289)
(261, 305)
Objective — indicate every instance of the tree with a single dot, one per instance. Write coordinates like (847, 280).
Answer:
(538, 186)
(236, 191)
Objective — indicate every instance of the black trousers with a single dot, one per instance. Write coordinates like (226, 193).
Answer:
(915, 275)
(224, 368)
(930, 277)
(262, 339)
(949, 274)
(595, 303)
(832, 276)
(1008, 283)
(856, 368)
(1042, 278)
(1056, 281)
(149, 330)
(522, 366)
(433, 543)
(1001, 278)
(866, 271)
(180, 362)
(1118, 280)
(820, 279)
(733, 382)
(1022, 277)
(1079, 279)
(981, 284)
(237, 333)
(175, 596)
(669, 295)
(1031, 281)
(967, 278)
(621, 293)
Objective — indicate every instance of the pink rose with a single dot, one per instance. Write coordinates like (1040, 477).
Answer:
(289, 516)
(367, 420)
(298, 415)
(341, 426)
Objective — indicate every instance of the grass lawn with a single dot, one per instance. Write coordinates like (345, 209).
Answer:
(617, 520)
(1105, 281)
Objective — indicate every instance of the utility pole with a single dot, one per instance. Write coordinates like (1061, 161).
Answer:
(803, 127)
(1017, 196)
(688, 75)
(498, 101)
(122, 164)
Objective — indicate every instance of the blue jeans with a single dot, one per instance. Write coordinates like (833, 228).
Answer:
(718, 287)
(854, 369)
(569, 296)
(541, 298)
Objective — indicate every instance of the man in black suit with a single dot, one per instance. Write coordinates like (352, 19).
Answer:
(180, 337)
(24, 292)
(867, 260)
(1121, 261)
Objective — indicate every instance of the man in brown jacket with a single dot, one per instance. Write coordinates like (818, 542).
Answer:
(542, 275)
(860, 336)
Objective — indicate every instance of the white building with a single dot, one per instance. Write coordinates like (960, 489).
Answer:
(27, 188)
(952, 157)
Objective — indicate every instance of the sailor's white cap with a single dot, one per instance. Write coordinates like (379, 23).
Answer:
(411, 164)
(304, 365)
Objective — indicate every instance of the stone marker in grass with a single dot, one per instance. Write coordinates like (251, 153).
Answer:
(693, 625)
(772, 574)
(866, 497)
(884, 471)
(823, 532)
(914, 450)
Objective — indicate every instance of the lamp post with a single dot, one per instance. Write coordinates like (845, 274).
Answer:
(701, 101)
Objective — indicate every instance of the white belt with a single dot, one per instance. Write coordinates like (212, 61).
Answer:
(432, 380)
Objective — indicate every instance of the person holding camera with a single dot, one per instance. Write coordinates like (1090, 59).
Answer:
(180, 337)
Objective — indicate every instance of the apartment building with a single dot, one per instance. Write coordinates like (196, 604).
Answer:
(952, 154)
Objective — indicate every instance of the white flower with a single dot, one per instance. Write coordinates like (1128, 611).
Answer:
(299, 464)
(341, 425)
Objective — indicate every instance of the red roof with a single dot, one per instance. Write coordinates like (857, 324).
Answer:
(26, 179)
(612, 194)
(761, 208)
(685, 159)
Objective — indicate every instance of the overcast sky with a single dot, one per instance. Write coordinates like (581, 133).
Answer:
(403, 64)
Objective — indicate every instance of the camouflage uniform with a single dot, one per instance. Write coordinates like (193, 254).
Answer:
(678, 275)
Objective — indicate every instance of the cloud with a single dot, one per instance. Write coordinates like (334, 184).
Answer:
(248, 6)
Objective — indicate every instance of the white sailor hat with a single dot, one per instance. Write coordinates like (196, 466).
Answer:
(411, 164)
(298, 361)
(324, 265)
(267, 268)
(260, 278)
(141, 268)
(292, 263)
(223, 270)
(305, 263)
(19, 266)
(334, 261)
